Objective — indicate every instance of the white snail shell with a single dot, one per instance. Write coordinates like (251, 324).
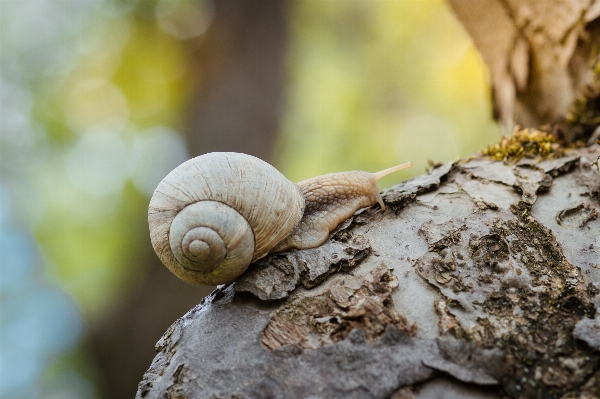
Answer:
(215, 214)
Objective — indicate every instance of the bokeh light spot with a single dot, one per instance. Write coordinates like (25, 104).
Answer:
(156, 151)
(98, 163)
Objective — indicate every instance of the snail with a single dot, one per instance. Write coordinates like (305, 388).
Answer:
(215, 214)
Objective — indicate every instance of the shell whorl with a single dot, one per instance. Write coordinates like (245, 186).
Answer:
(209, 236)
(215, 214)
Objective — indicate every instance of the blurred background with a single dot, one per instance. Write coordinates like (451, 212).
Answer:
(100, 99)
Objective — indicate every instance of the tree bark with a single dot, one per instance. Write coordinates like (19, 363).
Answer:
(481, 279)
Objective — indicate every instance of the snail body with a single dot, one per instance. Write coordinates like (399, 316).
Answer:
(215, 214)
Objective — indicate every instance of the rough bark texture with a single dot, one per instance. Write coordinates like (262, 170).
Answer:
(480, 280)
(540, 54)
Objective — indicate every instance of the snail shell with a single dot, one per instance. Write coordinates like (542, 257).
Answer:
(215, 214)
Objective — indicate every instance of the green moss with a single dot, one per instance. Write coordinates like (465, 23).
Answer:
(524, 143)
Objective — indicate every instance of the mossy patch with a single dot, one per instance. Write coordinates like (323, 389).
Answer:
(521, 143)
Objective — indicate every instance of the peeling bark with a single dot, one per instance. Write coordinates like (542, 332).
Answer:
(480, 280)
(330, 317)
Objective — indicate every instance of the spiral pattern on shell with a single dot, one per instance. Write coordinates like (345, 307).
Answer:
(215, 214)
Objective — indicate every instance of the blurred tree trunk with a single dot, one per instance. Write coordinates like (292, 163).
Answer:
(240, 71)
(480, 280)
(236, 103)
